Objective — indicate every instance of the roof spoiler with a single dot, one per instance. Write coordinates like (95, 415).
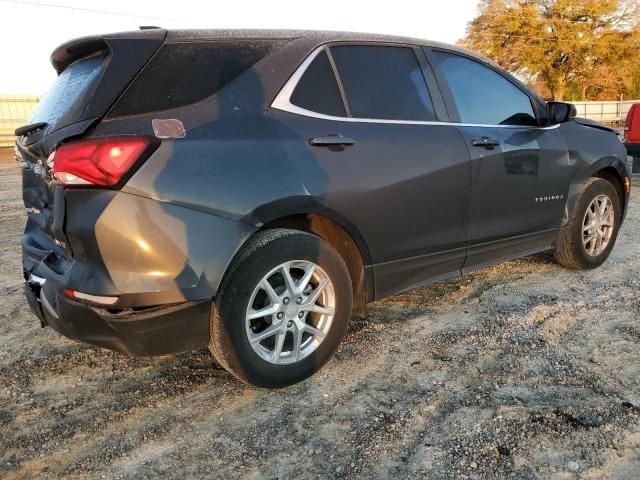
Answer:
(32, 127)
(69, 52)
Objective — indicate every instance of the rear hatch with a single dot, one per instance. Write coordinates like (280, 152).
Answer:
(92, 73)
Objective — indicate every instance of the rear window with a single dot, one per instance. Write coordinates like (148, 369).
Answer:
(180, 74)
(67, 97)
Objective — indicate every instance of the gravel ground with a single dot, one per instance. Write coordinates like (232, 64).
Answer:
(523, 370)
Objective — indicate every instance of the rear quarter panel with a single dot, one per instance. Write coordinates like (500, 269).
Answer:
(193, 190)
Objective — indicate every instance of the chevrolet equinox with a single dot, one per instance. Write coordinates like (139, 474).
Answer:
(250, 191)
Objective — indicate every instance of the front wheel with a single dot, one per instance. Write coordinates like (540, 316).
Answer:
(282, 308)
(591, 234)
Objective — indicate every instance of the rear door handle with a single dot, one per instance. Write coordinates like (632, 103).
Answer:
(331, 141)
(486, 142)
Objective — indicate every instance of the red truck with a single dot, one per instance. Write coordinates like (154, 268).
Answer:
(632, 135)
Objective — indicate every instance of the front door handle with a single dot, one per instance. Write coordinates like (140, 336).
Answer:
(331, 141)
(486, 142)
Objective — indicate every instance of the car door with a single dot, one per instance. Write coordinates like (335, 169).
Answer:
(520, 169)
(363, 131)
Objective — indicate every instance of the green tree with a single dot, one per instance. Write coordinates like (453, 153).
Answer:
(576, 48)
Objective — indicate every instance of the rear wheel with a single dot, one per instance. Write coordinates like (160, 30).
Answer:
(588, 240)
(282, 309)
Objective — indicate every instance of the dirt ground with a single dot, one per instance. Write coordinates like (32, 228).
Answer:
(523, 370)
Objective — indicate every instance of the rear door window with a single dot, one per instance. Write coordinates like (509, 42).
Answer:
(318, 89)
(481, 95)
(383, 82)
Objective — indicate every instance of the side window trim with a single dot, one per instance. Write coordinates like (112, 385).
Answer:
(282, 100)
(336, 74)
(448, 96)
(433, 88)
(443, 86)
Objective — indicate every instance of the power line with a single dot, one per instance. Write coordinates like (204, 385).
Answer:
(82, 9)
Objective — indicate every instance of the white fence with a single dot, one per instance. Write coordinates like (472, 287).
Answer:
(15, 110)
(611, 113)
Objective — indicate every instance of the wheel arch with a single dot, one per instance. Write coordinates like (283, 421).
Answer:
(612, 174)
(353, 251)
(611, 168)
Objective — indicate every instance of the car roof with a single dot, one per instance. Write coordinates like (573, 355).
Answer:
(317, 36)
(310, 37)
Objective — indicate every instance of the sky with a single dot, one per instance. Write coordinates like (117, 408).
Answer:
(31, 29)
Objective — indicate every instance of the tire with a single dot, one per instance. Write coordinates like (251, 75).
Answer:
(271, 252)
(570, 250)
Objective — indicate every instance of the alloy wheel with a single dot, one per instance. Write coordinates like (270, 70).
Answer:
(597, 225)
(290, 312)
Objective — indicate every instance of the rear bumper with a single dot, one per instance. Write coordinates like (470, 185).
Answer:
(151, 331)
(633, 149)
(163, 262)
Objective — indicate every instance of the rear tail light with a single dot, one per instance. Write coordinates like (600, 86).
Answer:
(97, 162)
(628, 123)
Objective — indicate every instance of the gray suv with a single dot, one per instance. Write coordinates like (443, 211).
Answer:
(250, 191)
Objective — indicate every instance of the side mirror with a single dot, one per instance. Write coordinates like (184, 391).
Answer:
(560, 112)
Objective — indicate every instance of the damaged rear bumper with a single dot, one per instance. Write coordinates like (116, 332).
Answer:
(160, 263)
(137, 332)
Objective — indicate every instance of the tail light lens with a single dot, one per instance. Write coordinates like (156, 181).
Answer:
(98, 162)
(628, 123)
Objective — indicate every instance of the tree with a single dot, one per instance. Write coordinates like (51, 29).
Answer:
(577, 47)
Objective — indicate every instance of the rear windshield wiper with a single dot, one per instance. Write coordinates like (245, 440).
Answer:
(32, 127)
